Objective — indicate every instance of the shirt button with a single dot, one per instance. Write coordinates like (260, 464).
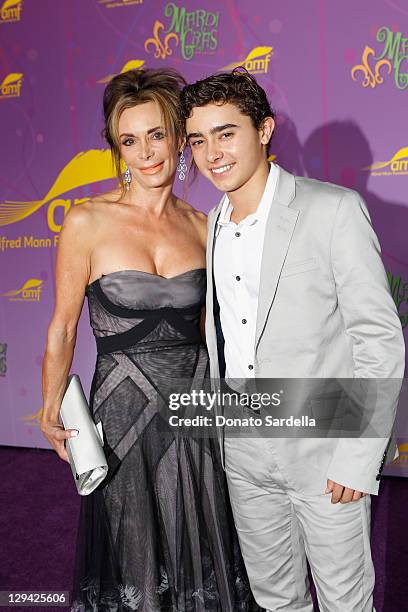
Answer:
(237, 234)
(244, 321)
(238, 278)
(250, 367)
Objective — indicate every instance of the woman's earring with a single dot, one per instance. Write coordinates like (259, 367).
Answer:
(127, 177)
(182, 167)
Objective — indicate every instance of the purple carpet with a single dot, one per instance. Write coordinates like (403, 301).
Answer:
(39, 513)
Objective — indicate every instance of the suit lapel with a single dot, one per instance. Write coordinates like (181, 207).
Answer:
(278, 234)
(212, 225)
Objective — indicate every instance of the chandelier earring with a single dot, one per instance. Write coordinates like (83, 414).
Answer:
(127, 177)
(182, 167)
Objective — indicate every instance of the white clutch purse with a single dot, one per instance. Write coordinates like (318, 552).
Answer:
(85, 452)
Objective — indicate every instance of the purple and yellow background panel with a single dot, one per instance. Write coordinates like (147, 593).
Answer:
(336, 75)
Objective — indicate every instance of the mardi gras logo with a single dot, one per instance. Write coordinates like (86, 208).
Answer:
(195, 32)
(371, 75)
(29, 292)
(397, 165)
(11, 85)
(256, 62)
(392, 57)
(396, 51)
(10, 11)
(85, 168)
(162, 48)
(130, 65)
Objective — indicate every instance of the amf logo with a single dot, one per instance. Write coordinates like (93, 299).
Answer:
(256, 62)
(11, 85)
(29, 292)
(11, 11)
(395, 166)
(87, 167)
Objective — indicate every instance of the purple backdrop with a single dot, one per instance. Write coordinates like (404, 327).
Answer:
(336, 74)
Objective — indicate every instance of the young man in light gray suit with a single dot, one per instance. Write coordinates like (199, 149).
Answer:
(298, 289)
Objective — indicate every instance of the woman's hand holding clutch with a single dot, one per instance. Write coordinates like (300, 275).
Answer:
(56, 436)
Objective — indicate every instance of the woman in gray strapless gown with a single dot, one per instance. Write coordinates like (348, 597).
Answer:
(158, 533)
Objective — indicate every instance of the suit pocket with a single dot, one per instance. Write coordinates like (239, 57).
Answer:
(328, 408)
(332, 413)
(298, 267)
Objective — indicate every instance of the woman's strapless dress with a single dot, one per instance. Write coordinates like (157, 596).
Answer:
(158, 533)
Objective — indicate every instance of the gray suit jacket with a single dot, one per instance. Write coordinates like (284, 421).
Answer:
(324, 311)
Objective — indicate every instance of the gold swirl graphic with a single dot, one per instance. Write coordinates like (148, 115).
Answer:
(130, 65)
(372, 78)
(11, 78)
(399, 155)
(162, 49)
(85, 168)
(10, 3)
(32, 283)
(34, 418)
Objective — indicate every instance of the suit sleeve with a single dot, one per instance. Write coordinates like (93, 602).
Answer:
(372, 323)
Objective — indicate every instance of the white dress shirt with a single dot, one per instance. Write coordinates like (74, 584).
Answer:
(237, 270)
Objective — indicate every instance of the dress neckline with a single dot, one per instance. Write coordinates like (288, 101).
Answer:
(153, 274)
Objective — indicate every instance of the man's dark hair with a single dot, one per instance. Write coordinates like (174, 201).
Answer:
(237, 87)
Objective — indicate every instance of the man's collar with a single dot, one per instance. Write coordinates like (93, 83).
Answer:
(261, 212)
(225, 213)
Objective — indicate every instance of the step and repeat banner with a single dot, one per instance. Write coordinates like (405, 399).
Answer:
(337, 77)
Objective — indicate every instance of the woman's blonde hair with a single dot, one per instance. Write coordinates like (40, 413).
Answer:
(135, 87)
